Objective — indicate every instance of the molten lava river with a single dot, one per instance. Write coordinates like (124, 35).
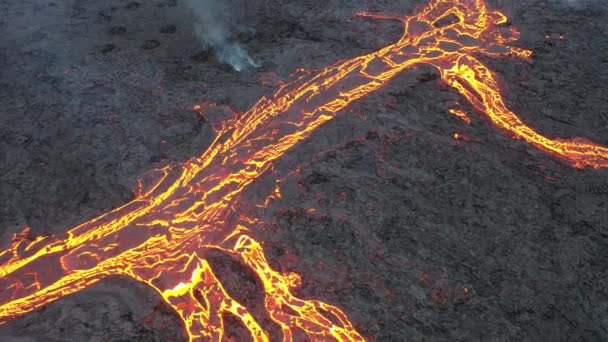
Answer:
(161, 237)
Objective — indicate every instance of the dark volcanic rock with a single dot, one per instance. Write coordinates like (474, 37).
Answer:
(168, 29)
(118, 30)
(201, 57)
(415, 235)
(107, 48)
(133, 5)
(150, 44)
(167, 3)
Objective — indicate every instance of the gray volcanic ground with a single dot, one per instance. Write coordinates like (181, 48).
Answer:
(416, 235)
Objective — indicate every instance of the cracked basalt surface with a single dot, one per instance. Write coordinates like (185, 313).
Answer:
(414, 234)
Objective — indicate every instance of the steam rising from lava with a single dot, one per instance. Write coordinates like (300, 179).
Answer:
(212, 33)
(162, 237)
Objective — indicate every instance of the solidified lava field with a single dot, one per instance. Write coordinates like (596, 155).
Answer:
(416, 225)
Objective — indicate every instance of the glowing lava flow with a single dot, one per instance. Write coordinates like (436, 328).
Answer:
(161, 237)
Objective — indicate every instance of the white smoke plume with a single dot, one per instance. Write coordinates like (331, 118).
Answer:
(210, 29)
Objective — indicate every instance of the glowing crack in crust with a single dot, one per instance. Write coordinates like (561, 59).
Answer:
(160, 237)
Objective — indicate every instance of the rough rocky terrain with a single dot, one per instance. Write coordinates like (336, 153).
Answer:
(416, 235)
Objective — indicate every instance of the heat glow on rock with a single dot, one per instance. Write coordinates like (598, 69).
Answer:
(161, 237)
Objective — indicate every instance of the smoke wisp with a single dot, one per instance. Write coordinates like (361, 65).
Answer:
(212, 32)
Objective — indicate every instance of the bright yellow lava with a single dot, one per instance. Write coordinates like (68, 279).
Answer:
(160, 238)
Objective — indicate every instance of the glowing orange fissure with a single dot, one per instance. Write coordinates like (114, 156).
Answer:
(161, 236)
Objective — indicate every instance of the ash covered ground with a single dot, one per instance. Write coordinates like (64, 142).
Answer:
(416, 235)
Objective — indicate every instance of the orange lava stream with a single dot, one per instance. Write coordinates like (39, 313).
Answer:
(161, 237)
